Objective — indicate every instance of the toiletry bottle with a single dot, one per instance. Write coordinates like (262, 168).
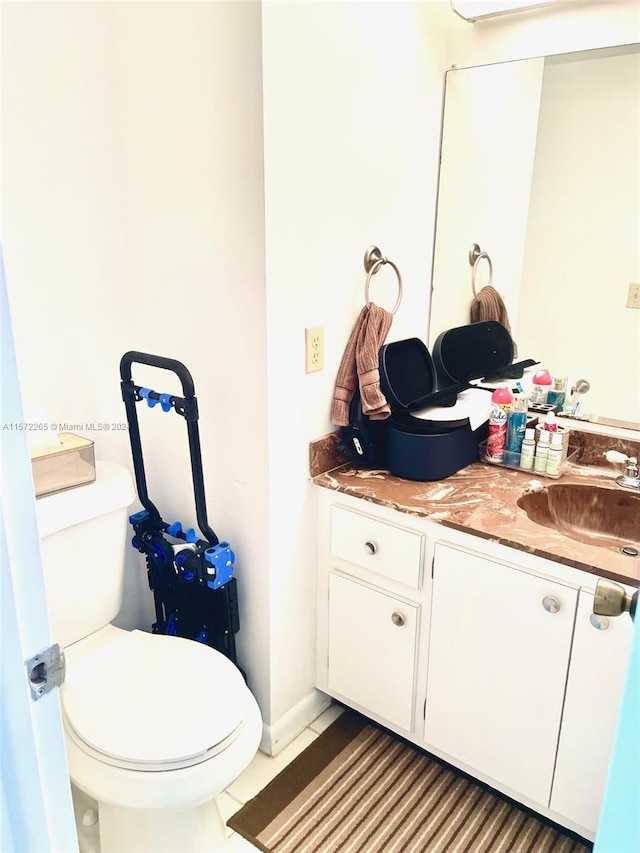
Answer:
(497, 438)
(540, 387)
(550, 423)
(542, 451)
(557, 394)
(516, 423)
(554, 455)
(528, 449)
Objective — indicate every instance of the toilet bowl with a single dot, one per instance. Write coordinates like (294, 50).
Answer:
(155, 726)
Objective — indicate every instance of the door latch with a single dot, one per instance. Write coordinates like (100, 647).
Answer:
(45, 670)
(612, 599)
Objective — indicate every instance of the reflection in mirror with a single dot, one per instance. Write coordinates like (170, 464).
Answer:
(540, 167)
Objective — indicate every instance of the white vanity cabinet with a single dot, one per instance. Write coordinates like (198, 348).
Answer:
(599, 660)
(499, 650)
(486, 656)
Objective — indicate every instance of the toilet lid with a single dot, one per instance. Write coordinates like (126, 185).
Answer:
(150, 699)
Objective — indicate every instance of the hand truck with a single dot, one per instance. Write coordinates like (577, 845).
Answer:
(190, 575)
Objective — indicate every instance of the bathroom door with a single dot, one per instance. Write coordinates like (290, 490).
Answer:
(36, 813)
(619, 825)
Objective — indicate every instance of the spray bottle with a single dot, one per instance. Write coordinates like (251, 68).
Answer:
(501, 400)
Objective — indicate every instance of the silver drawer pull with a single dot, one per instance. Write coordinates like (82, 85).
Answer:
(370, 548)
(397, 619)
(550, 604)
(599, 622)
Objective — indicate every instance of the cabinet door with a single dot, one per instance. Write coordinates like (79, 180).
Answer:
(599, 659)
(497, 669)
(372, 649)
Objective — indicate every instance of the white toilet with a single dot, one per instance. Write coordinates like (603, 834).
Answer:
(155, 726)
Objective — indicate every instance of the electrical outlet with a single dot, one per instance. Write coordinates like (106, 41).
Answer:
(633, 299)
(313, 349)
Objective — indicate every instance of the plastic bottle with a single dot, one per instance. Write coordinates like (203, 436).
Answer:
(540, 387)
(554, 455)
(516, 424)
(557, 394)
(550, 423)
(528, 449)
(542, 451)
(497, 439)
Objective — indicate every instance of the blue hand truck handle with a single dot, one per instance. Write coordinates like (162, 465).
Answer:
(188, 408)
(129, 358)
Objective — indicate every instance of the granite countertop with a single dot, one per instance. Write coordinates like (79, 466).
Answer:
(481, 499)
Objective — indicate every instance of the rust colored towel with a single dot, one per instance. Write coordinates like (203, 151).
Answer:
(488, 305)
(359, 366)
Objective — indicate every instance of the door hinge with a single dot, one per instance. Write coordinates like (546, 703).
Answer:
(45, 670)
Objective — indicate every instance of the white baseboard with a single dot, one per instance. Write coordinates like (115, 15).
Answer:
(280, 734)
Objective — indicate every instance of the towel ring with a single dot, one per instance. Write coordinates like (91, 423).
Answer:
(373, 260)
(475, 256)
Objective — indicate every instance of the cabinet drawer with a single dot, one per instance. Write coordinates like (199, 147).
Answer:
(390, 551)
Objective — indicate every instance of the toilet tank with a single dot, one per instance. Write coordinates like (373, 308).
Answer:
(83, 536)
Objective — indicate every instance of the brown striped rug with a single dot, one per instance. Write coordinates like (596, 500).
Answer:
(359, 789)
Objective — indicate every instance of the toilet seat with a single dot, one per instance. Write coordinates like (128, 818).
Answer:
(151, 702)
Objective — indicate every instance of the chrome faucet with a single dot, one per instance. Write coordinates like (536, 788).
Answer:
(631, 477)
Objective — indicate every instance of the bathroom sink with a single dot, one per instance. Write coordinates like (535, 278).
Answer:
(589, 514)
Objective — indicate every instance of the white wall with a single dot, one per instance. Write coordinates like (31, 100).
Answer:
(353, 98)
(133, 218)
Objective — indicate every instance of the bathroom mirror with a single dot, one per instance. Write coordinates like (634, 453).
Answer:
(540, 168)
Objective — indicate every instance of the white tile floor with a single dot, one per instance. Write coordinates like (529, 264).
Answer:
(261, 771)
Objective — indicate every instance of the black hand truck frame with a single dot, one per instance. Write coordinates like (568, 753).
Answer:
(191, 578)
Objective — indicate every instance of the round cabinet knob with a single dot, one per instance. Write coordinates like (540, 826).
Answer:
(370, 548)
(550, 604)
(397, 619)
(601, 623)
